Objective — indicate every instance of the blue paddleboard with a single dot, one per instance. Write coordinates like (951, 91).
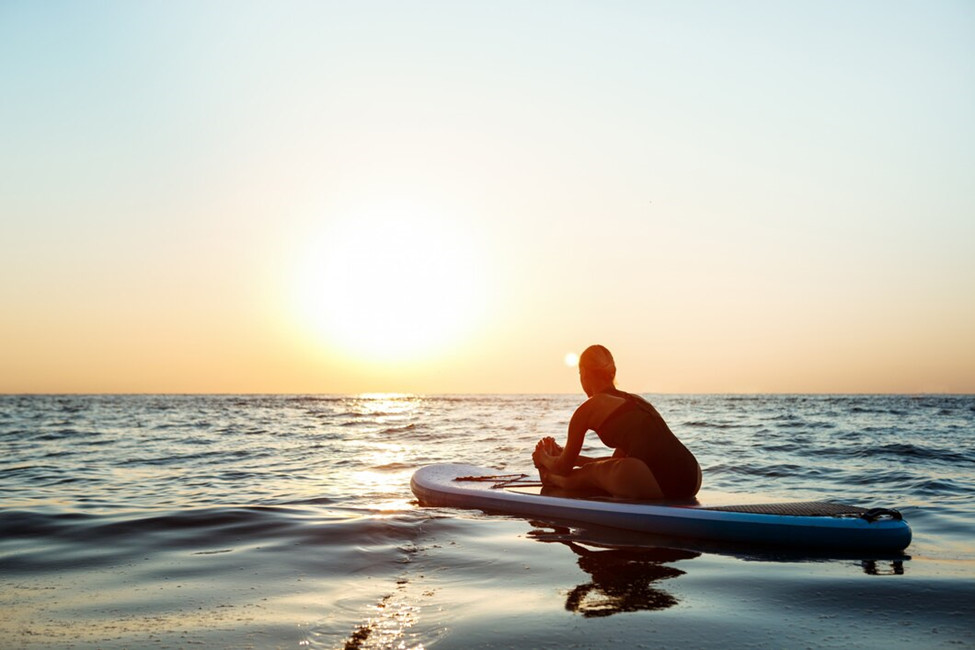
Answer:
(821, 525)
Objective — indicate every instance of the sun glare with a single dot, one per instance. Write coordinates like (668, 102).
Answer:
(571, 359)
(390, 284)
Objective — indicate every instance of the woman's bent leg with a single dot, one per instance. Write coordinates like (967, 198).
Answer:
(626, 478)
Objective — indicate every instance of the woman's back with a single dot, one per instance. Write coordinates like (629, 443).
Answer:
(636, 430)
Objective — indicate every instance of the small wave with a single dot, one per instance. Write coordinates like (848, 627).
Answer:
(783, 417)
(783, 447)
(791, 423)
(32, 472)
(915, 452)
(939, 487)
(766, 471)
(61, 434)
(393, 467)
(57, 453)
(713, 425)
(891, 478)
(25, 523)
(867, 410)
(314, 399)
(205, 456)
(400, 429)
(175, 529)
(38, 541)
(358, 421)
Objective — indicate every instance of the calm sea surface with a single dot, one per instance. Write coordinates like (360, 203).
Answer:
(287, 521)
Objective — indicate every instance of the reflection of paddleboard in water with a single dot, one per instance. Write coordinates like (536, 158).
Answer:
(801, 525)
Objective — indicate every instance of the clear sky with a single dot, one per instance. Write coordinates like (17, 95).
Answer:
(449, 197)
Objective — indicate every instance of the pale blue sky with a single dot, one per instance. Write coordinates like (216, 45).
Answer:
(734, 196)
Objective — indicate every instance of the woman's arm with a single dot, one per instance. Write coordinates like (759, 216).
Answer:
(578, 427)
(589, 416)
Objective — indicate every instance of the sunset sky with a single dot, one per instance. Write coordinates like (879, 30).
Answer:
(449, 197)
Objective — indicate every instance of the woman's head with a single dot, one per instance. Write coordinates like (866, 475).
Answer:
(597, 370)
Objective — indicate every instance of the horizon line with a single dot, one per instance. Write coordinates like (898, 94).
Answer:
(469, 394)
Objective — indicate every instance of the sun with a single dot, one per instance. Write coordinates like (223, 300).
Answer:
(390, 283)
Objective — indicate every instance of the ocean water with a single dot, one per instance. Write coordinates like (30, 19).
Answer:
(288, 521)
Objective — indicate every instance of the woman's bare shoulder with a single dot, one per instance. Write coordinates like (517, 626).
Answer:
(598, 407)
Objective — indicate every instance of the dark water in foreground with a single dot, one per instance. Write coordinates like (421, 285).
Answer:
(287, 521)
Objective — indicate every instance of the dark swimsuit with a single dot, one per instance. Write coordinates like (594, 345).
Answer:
(636, 430)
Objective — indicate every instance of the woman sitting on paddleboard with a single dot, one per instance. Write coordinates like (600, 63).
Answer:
(649, 462)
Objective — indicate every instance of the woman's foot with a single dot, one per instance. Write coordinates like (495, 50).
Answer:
(540, 456)
(551, 479)
(550, 446)
(545, 476)
(545, 457)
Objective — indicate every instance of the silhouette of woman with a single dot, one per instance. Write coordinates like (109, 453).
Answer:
(649, 462)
